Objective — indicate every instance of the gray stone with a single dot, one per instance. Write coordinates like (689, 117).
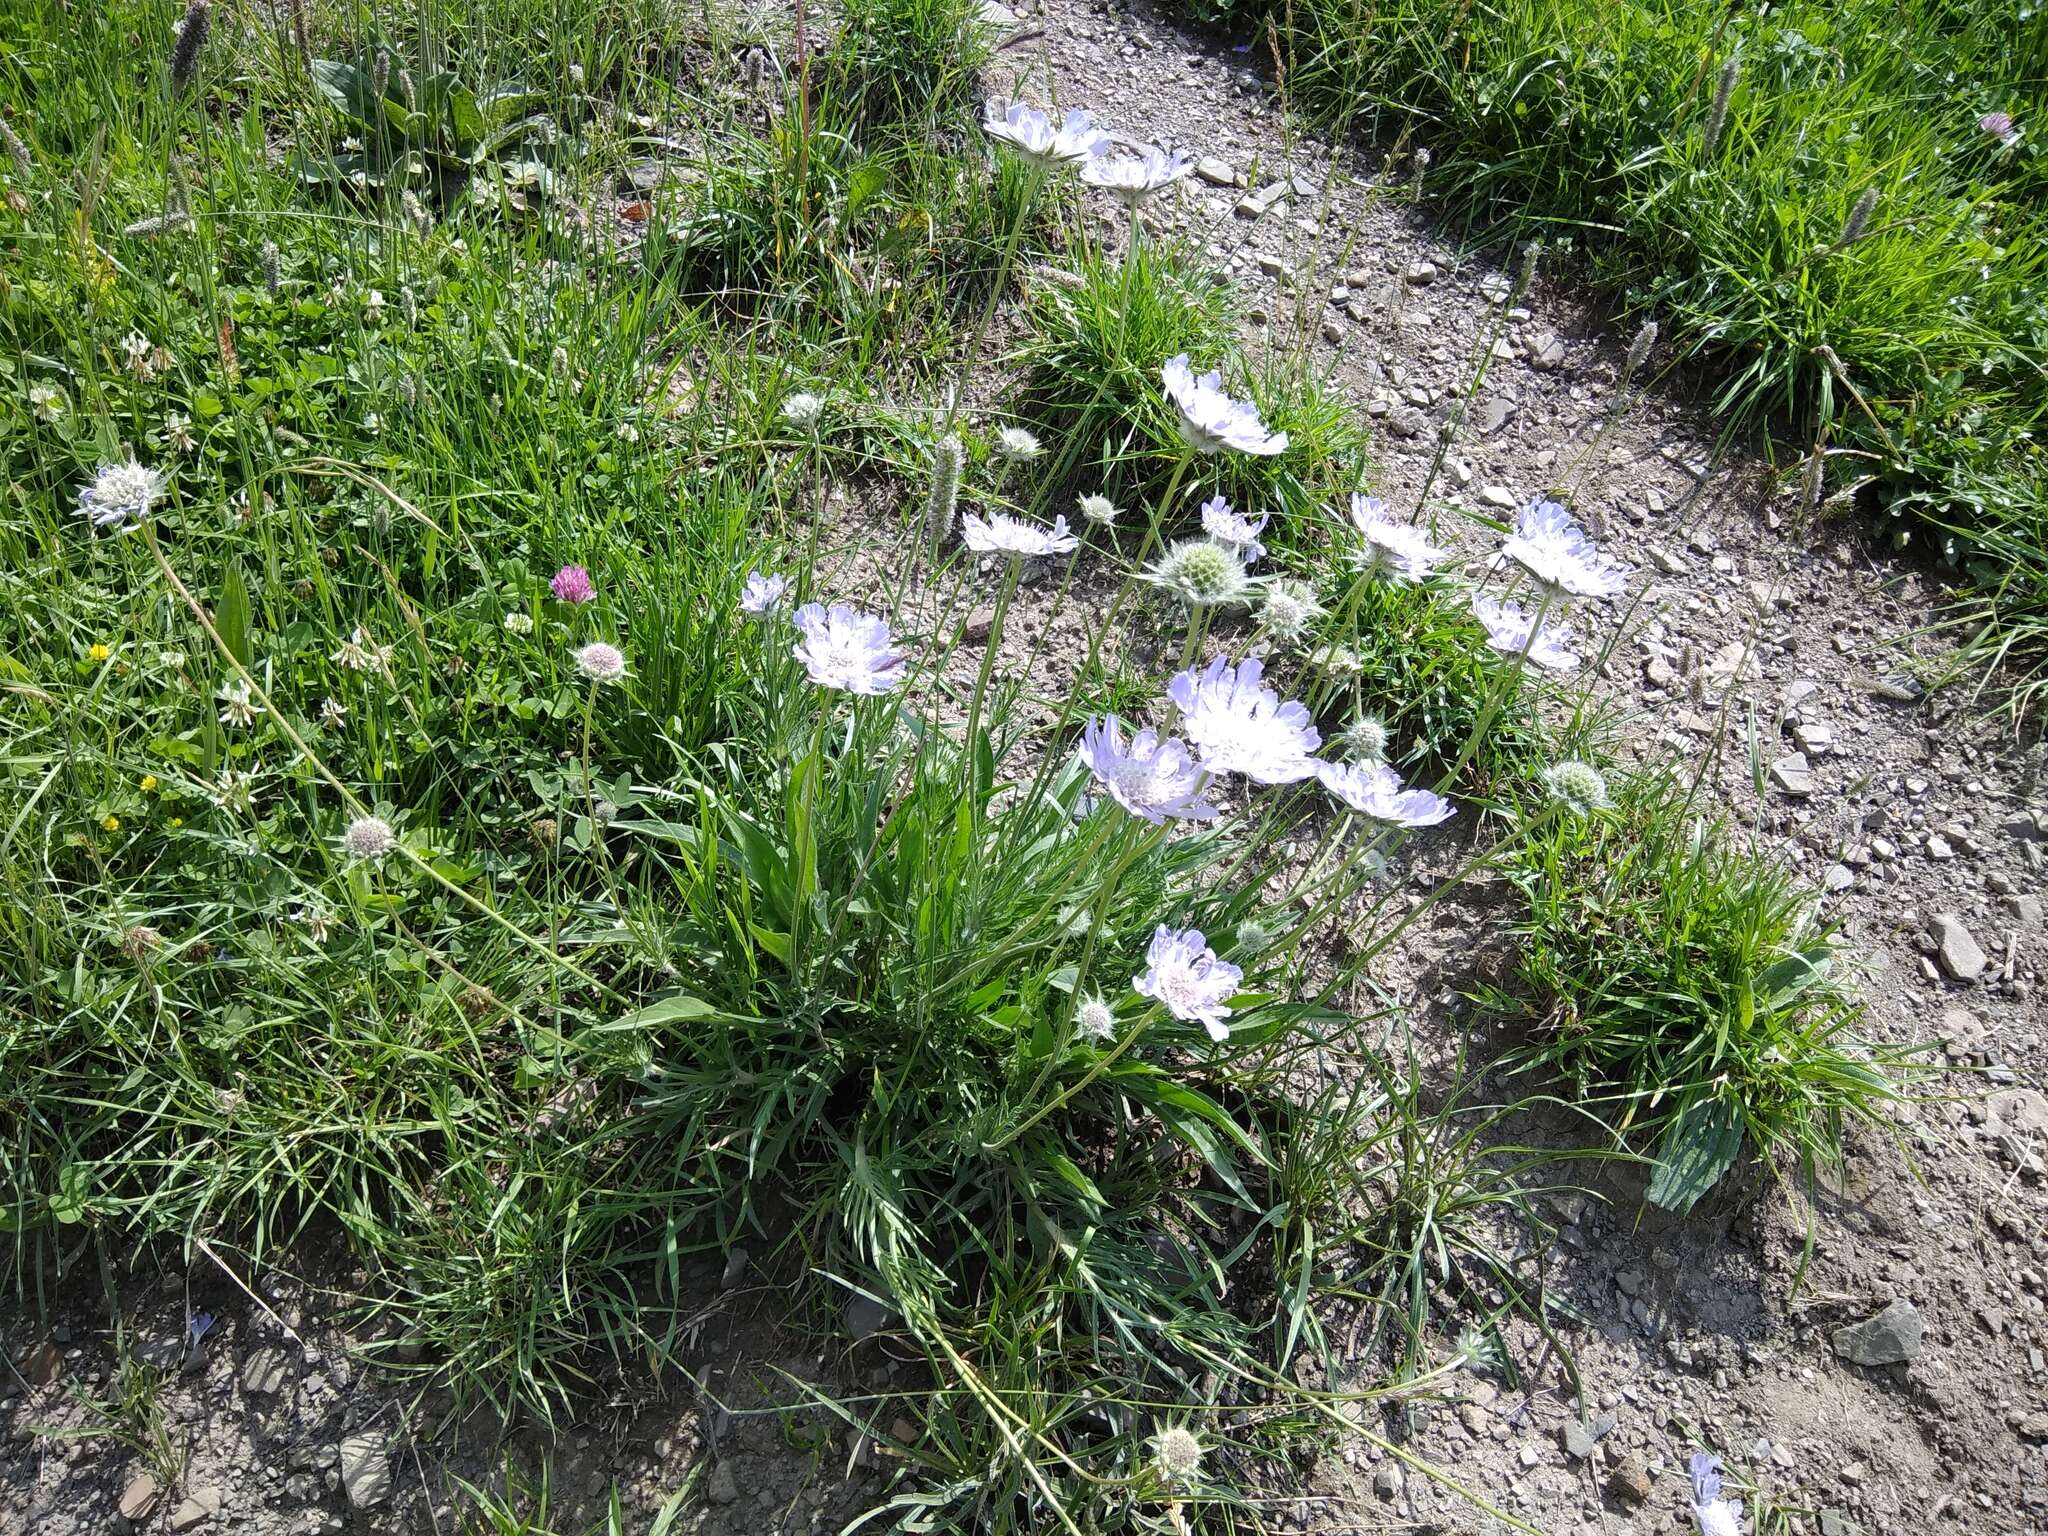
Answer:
(1659, 673)
(1494, 413)
(1892, 1337)
(1958, 953)
(266, 1372)
(1256, 204)
(1387, 1482)
(1420, 272)
(365, 1469)
(1791, 774)
(139, 1498)
(1407, 421)
(2020, 1109)
(1498, 496)
(1218, 173)
(1835, 1522)
(865, 1316)
(723, 1487)
(201, 1507)
(1546, 353)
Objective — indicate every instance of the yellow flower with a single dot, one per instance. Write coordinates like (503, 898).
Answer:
(99, 653)
(176, 821)
(148, 782)
(111, 823)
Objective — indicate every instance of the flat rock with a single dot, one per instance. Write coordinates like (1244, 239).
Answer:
(1218, 173)
(723, 1486)
(1546, 352)
(1498, 496)
(1420, 272)
(1890, 1338)
(1630, 1479)
(1792, 775)
(201, 1507)
(1958, 953)
(266, 1371)
(365, 1469)
(139, 1498)
(2020, 1109)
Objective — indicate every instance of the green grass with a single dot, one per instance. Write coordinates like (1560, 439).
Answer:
(1910, 355)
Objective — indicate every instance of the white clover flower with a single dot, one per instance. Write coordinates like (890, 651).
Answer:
(1202, 574)
(1289, 609)
(1209, 419)
(1095, 1020)
(360, 654)
(46, 402)
(1551, 547)
(1177, 1453)
(1714, 1515)
(1240, 726)
(1508, 630)
(1366, 739)
(761, 594)
(368, 837)
(178, 433)
(1031, 133)
(332, 713)
(601, 663)
(846, 649)
(626, 432)
(1184, 974)
(234, 790)
(1154, 778)
(1233, 530)
(238, 705)
(1136, 180)
(372, 423)
(1001, 534)
(518, 623)
(802, 410)
(1374, 790)
(316, 920)
(121, 495)
(1099, 510)
(140, 355)
(1017, 446)
(1393, 550)
(1578, 787)
(373, 308)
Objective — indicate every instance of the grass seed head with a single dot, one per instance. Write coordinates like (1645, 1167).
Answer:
(192, 34)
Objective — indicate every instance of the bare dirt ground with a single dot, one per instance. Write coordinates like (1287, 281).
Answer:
(1923, 821)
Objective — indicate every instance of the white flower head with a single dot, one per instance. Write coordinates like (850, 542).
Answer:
(235, 790)
(332, 713)
(1366, 739)
(803, 410)
(316, 920)
(1137, 179)
(368, 837)
(1017, 445)
(178, 433)
(137, 349)
(1579, 787)
(238, 705)
(121, 495)
(1177, 1453)
(518, 623)
(1240, 726)
(46, 401)
(1233, 530)
(1031, 133)
(762, 594)
(1202, 574)
(1552, 548)
(1714, 1515)
(1183, 973)
(1209, 419)
(1394, 550)
(360, 654)
(1001, 534)
(1508, 629)
(1374, 790)
(846, 649)
(1152, 778)
(1099, 510)
(373, 308)
(1095, 1020)
(1289, 609)
(601, 663)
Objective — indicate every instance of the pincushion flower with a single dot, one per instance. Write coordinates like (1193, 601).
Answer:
(1183, 973)
(1508, 629)
(121, 495)
(1578, 787)
(572, 584)
(1031, 133)
(845, 649)
(1393, 550)
(1556, 552)
(601, 663)
(2001, 127)
(802, 410)
(1209, 419)
(1001, 534)
(1099, 510)
(1233, 530)
(761, 594)
(1714, 1515)
(1288, 610)
(1177, 1453)
(1094, 1020)
(1202, 574)
(1374, 790)
(368, 837)
(1240, 726)
(1152, 778)
(1017, 445)
(1136, 180)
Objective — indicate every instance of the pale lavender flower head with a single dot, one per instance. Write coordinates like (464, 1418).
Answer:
(572, 584)
(845, 649)
(1209, 419)
(368, 837)
(1552, 548)
(1240, 726)
(1508, 629)
(1154, 779)
(121, 495)
(1183, 973)
(1393, 549)
(1031, 133)
(601, 663)
(1714, 1515)
(1001, 534)
(2001, 127)
(761, 594)
(1374, 790)
(1233, 530)
(1136, 180)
